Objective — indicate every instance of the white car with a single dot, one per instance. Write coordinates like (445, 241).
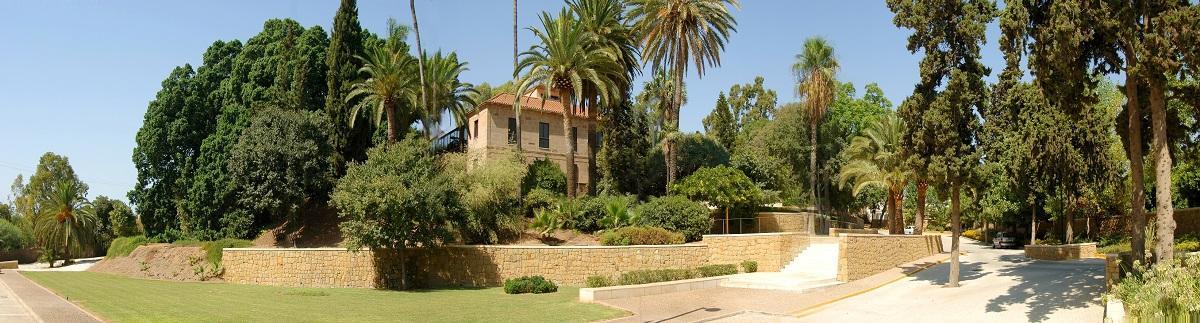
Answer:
(910, 229)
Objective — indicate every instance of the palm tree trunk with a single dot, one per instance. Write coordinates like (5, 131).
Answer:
(516, 111)
(393, 123)
(572, 172)
(922, 187)
(812, 164)
(955, 232)
(670, 149)
(412, 6)
(1137, 194)
(1165, 216)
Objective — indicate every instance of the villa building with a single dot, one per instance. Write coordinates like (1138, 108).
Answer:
(493, 127)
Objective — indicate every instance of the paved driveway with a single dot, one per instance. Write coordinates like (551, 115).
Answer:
(997, 286)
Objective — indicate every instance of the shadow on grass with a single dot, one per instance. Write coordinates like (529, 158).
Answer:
(1048, 286)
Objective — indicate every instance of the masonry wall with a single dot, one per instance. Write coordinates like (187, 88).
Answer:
(490, 265)
(785, 222)
(1061, 252)
(860, 256)
(772, 251)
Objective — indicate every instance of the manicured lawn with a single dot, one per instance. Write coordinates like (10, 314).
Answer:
(121, 299)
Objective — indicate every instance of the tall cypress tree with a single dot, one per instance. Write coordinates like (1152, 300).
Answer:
(350, 142)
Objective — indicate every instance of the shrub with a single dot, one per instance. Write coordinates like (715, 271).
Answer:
(529, 284)
(546, 221)
(654, 276)
(122, 246)
(721, 186)
(540, 199)
(750, 266)
(593, 210)
(640, 236)
(1167, 290)
(490, 193)
(972, 234)
(544, 174)
(677, 214)
(10, 236)
(1187, 246)
(717, 270)
(599, 281)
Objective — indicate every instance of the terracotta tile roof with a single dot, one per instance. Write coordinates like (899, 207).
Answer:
(529, 103)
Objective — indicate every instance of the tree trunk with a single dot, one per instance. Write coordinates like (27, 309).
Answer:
(1165, 212)
(412, 6)
(403, 270)
(1033, 224)
(572, 172)
(669, 147)
(726, 220)
(919, 223)
(812, 164)
(393, 124)
(516, 111)
(955, 232)
(1137, 196)
(1069, 209)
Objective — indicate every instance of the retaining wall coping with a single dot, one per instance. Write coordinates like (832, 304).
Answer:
(1059, 245)
(876, 235)
(753, 234)
(689, 245)
(588, 295)
(783, 213)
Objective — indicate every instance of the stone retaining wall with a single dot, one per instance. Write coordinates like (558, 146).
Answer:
(785, 222)
(459, 265)
(1061, 252)
(772, 251)
(833, 232)
(860, 256)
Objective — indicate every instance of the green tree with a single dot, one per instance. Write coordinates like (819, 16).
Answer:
(346, 43)
(567, 60)
(446, 92)
(721, 186)
(752, 105)
(674, 32)
(941, 112)
(399, 198)
(876, 158)
(66, 225)
(490, 193)
(389, 80)
(816, 74)
(720, 124)
(654, 99)
(282, 163)
(621, 160)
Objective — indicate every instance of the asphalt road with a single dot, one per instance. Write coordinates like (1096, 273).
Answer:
(997, 286)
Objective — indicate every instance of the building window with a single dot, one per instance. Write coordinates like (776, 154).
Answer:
(475, 131)
(575, 139)
(594, 139)
(544, 135)
(512, 131)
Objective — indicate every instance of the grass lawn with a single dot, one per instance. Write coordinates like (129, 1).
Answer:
(122, 299)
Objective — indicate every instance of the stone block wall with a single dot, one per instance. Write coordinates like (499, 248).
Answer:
(459, 265)
(833, 232)
(772, 251)
(860, 256)
(785, 222)
(1061, 252)
(567, 265)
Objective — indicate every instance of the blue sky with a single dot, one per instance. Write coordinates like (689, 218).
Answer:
(76, 76)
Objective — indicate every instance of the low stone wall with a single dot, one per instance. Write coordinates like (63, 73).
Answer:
(24, 256)
(833, 232)
(860, 256)
(785, 222)
(459, 265)
(1061, 252)
(772, 251)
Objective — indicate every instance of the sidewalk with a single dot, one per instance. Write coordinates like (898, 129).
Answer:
(26, 301)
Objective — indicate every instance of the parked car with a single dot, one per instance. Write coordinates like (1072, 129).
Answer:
(1004, 240)
(910, 229)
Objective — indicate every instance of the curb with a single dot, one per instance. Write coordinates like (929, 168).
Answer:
(65, 299)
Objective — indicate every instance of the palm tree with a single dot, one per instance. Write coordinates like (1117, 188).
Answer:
(816, 69)
(875, 159)
(389, 78)
(412, 7)
(66, 226)
(655, 99)
(566, 61)
(446, 92)
(674, 32)
(607, 27)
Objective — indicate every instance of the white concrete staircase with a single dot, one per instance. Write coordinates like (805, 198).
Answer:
(813, 268)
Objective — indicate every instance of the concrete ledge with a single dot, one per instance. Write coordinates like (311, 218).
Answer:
(11, 264)
(589, 295)
(1061, 252)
